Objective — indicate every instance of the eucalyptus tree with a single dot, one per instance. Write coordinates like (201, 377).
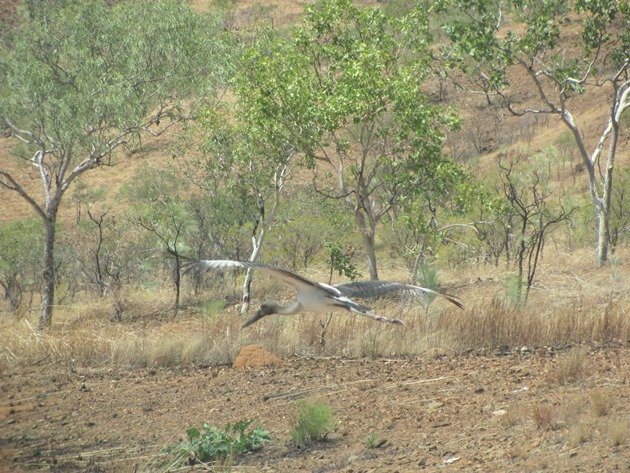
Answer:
(557, 50)
(347, 88)
(248, 162)
(79, 80)
(160, 208)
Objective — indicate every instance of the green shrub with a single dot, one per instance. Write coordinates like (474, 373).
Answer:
(314, 422)
(211, 443)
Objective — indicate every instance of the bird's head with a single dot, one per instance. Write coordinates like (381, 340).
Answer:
(265, 309)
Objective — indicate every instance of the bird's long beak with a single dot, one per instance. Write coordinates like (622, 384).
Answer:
(257, 316)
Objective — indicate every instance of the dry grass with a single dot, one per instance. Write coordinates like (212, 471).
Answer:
(511, 418)
(579, 434)
(148, 333)
(517, 452)
(600, 403)
(569, 367)
(572, 411)
(618, 432)
(147, 336)
(545, 417)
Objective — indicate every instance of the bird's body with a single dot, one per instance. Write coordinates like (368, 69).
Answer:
(319, 297)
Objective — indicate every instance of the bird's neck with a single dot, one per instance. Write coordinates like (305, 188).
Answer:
(288, 309)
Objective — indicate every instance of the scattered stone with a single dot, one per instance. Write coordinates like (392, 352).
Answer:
(499, 412)
(434, 405)
(451, 458)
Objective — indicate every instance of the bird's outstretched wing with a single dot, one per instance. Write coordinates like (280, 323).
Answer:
(289, 277)
(376, 289)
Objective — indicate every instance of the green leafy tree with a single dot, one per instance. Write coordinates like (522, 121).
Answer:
(495, 43)
(249, 161)
(20, 243)
(81, 79)
(429, 216)
(160, 208)
(346, 88)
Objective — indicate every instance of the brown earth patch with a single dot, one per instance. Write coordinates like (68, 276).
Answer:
(438, 411)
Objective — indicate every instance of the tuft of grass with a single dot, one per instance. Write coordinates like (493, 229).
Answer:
(569, 367)
(516, 452)
(600, 403)
(510, 419)
(314, 423)
(213, 307)
(579, 434)
(545, 417)
(572, 410)
(374, 440)
(618, 432)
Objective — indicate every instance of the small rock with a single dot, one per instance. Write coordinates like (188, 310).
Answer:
(451, 459)
(434, 405)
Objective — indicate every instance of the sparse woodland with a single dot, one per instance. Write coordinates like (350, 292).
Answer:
(395, 134)
(477, 148)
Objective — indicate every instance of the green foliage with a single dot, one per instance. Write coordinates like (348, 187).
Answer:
(314, 423)
(80, 79)
(620, 209)
(306, 221)
(478, 46)
(20, 246)
(211, 443)
(340, 260)
(212, 307)
(346, 91)
(427, 277)
(159, 206)
(78, 73)
(515, 290)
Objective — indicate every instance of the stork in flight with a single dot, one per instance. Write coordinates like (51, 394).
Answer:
(320, 297)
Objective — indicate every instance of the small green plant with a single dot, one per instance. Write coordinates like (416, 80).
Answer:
(374, 440)
(314, 422)
(211, 443)
(213, 307)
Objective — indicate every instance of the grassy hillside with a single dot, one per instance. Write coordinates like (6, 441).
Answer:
(568, 282)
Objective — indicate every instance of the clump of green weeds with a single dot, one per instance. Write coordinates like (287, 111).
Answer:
(211, 443)
(314, 423)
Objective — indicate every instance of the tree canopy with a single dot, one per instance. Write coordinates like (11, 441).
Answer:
(80, 79)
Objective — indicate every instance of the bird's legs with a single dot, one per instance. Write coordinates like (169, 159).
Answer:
(380, 318)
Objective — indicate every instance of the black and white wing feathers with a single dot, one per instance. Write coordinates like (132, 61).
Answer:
(289, 277)
(378, 289)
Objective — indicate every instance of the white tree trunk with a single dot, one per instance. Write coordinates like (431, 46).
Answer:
(265, 221)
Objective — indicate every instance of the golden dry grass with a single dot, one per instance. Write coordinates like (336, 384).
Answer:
(150, 335)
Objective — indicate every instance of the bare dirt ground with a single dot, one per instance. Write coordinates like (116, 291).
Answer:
(526, 410)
